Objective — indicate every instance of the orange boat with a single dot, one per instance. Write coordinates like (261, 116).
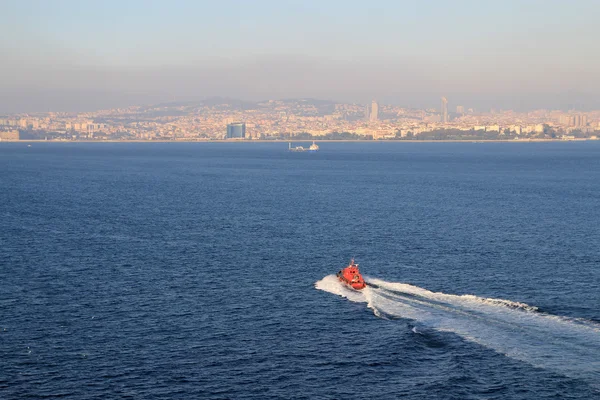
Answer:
(351, 276)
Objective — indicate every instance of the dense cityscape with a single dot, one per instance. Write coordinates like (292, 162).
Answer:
(299, 119)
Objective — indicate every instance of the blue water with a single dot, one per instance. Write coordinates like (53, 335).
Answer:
(157, 271)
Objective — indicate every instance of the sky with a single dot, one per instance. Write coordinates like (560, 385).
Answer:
(72, 55)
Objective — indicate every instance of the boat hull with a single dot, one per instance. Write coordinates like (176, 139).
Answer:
(351, 277)
(355, 286)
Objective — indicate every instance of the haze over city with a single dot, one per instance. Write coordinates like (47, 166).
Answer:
(74, 56)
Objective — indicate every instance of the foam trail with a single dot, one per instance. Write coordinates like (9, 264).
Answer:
(331, 284)
(564, 345)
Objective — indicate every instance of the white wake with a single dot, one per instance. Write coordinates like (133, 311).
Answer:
(564, 345)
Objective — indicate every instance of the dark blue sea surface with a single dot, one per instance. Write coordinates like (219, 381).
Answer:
(181, 271)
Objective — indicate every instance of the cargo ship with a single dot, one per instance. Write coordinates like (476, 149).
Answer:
(297, 148)
(313, 147)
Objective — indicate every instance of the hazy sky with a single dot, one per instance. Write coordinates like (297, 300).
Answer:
(82, 55)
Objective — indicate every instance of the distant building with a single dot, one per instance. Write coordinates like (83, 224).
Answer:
(577, 120)
(460, 109)
(9, 135)
(444, 113)
(367, 113)
(236, 130)
(539, 128)
(374, 111)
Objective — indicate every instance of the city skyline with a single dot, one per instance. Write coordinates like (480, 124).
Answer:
(218, 118)
(84, 56)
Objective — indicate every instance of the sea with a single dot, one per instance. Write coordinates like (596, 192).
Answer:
(207, 271)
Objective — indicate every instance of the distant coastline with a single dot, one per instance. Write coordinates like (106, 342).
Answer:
(308, 141)
(299, 120)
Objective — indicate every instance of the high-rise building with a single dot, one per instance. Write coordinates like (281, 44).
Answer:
(367, 112)
(460, 109)
(236, 130)
(374, 111)
(444, 110)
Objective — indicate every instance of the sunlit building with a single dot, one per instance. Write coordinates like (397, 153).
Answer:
(444, 110)
(9, 135)
(374, 111)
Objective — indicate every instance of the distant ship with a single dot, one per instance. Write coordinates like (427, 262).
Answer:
(297, 148)
(313, 147)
